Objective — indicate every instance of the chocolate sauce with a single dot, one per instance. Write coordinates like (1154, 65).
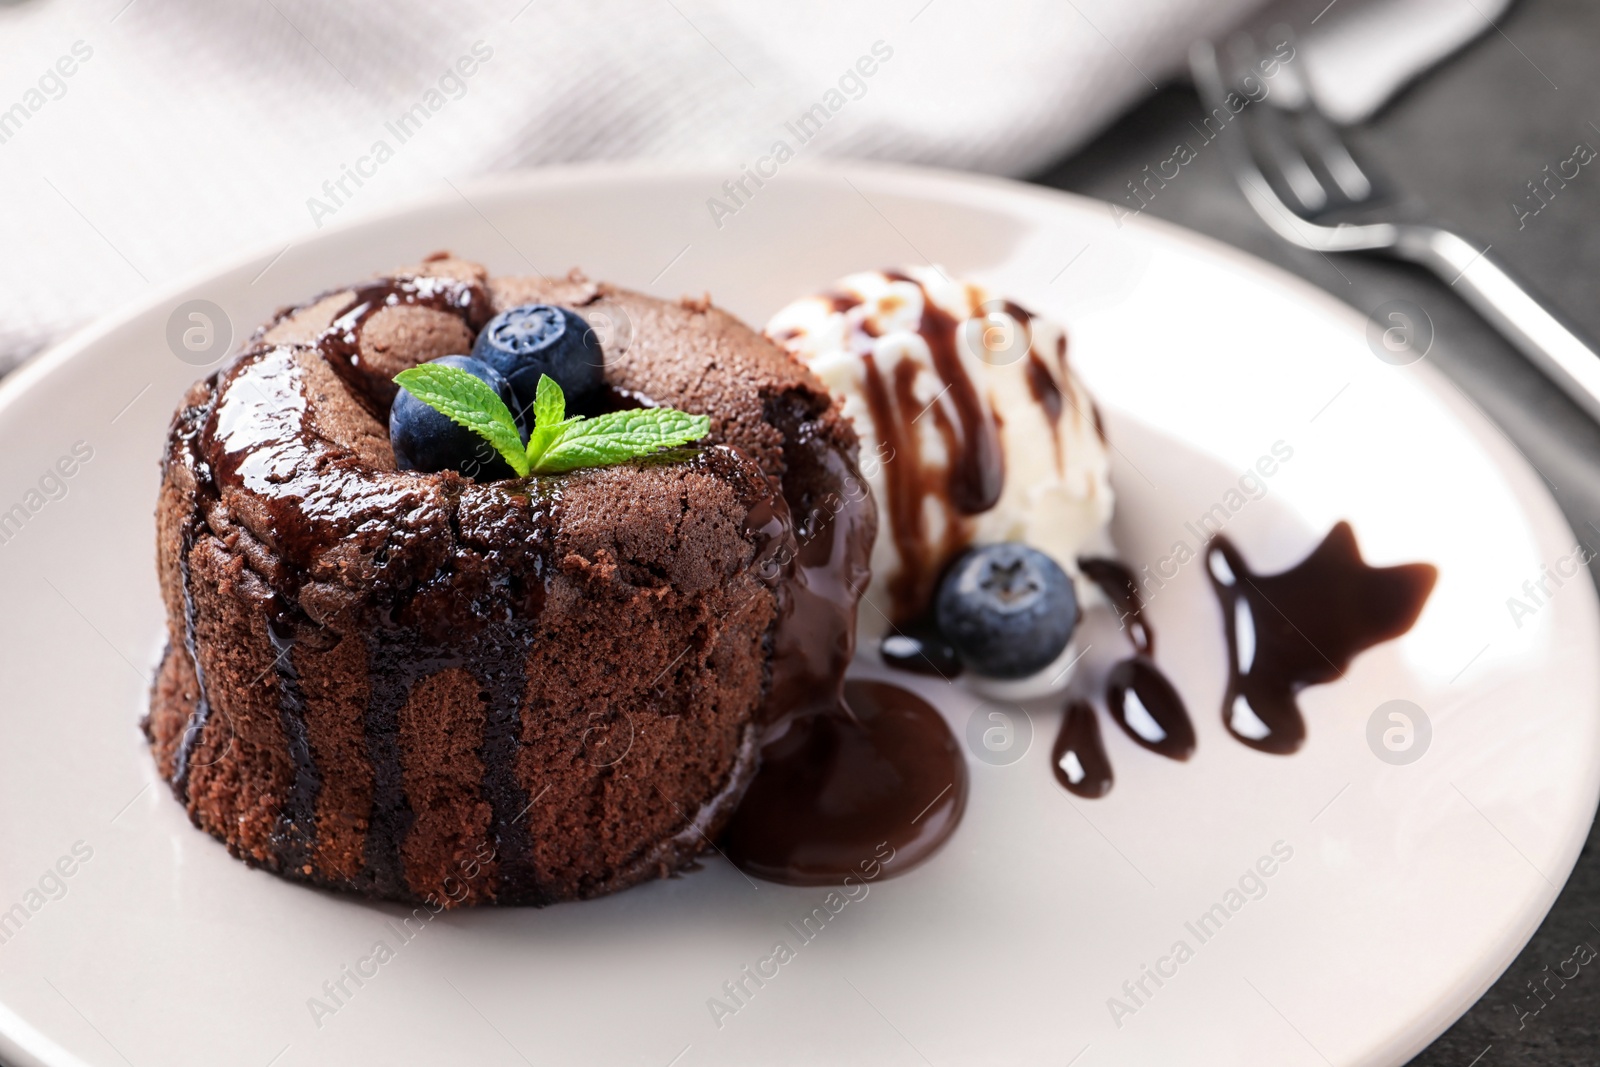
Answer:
(833, 786)
(1047, 394)
(499, 667)
(395, 662)
(814, 637)
(1303, 627)
(1120, 587)
(295, 835)
(201, 715)
(920, 648)
(977, 471)
(1138, 695)
(1078, 757)
(906, 488)
(341, 341)
(973, 475)
(1022, 315)
(1147, 706)
(841, 300)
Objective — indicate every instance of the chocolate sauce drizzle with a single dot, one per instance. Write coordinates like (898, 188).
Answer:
(341, 341)
(398, 660)
(905, 488)
(1047, 394)
(296, 833)
(1117, 582)
(501, 672)
(821, 573)
(975, 472)
(1303, 627)
(394, 665)
(201, 715)
(882, 767)
(1139, 697)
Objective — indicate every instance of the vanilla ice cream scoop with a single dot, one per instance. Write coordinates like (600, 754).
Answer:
(974, 430)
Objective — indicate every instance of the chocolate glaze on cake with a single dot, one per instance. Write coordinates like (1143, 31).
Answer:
(422, 687)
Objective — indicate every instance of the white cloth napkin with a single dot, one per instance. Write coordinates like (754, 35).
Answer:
(143, 140)
(1358, 54)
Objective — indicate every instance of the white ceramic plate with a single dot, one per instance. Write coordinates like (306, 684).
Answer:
(1408, 890)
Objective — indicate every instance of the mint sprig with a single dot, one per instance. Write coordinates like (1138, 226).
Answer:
(556, 444)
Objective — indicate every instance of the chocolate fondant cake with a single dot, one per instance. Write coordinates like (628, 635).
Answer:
(422, 686)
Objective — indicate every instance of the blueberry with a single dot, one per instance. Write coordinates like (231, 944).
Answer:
(536, 339)
(1008, 609)
(425, 440)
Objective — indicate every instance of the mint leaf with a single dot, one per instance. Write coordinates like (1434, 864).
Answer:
(556, 444)
(468, 403)
(549, 414)
(618, 436)
(549, 403)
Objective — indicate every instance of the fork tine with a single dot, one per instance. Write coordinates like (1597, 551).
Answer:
(1280, 216)
(1322, 142)
(1319, 138)
(1283, 152)
(1204, 66)
(1272, 137)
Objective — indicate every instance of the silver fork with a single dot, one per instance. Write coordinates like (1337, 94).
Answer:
(1319, 198)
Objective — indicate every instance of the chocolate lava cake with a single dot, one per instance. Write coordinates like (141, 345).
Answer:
(422, 687)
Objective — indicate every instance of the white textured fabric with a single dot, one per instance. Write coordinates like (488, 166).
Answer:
(141, 141)
(1359, 54)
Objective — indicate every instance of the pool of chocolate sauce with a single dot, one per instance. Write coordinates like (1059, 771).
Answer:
(1302, 627)
(881, 767)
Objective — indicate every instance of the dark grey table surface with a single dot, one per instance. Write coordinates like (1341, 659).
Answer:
(1466, 140)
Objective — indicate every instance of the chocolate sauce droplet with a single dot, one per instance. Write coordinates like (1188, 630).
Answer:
(1116, 581)
(1079, 757)
(836, 786)
(920, 649)
(1303, 627)
(1146, 705)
